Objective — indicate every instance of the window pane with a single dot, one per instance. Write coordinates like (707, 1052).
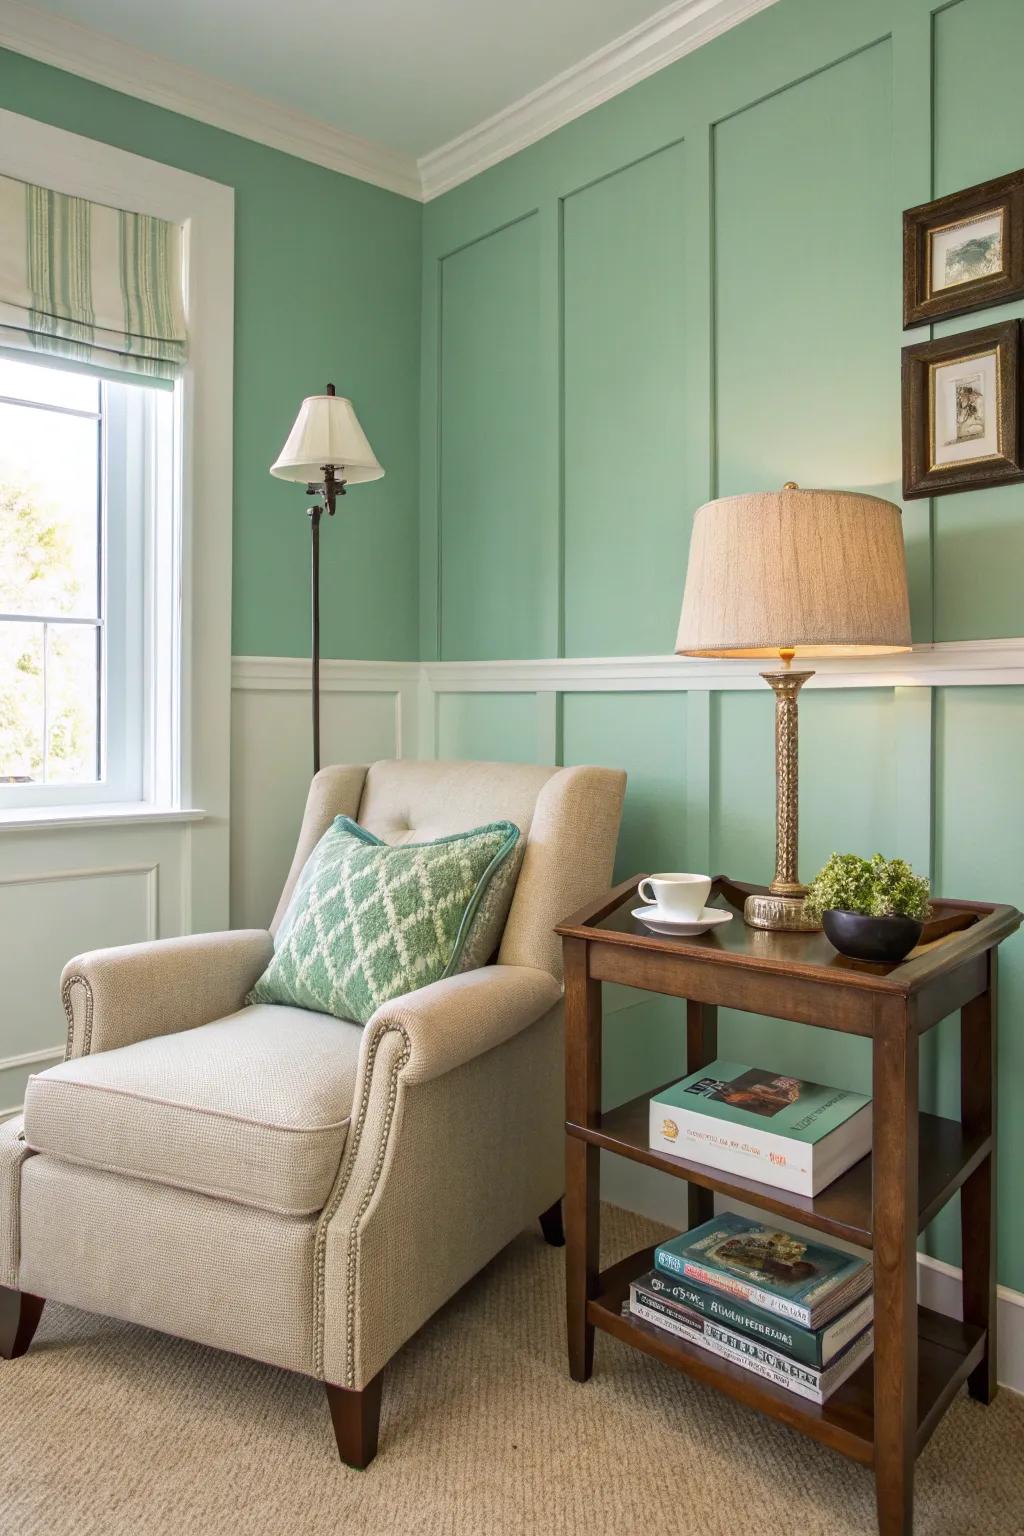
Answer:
(21, 702)
(50, 386)
(49, 519)
(72, 692)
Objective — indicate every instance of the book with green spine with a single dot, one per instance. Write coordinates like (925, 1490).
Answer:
(816, 1348)
(817, 1385)
(779, 1271)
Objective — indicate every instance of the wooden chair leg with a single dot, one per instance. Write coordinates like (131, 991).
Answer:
(355, 1415)
(19, 1319)
(551, 1225)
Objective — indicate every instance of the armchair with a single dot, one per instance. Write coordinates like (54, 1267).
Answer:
(287, 1185)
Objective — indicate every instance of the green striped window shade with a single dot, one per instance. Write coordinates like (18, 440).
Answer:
(94, 285)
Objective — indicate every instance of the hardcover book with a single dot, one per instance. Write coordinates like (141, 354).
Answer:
(784, 1131)
(816, 1385)
(816, 1348)
(778, 1271)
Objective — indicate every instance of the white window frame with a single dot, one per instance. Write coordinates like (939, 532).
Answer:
(189, 775)
(134, 628)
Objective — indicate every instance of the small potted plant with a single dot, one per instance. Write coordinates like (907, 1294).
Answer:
(870, 909)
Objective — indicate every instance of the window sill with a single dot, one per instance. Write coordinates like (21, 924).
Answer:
(45, 818)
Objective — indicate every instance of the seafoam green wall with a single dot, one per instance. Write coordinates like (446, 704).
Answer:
(695, 290)
(327, 286)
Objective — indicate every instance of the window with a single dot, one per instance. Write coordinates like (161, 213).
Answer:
(88, 585)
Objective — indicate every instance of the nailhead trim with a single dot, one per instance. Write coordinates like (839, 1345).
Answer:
(348, 1164)
(65, 997)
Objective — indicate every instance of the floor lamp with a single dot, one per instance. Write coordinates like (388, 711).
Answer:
(327, 449)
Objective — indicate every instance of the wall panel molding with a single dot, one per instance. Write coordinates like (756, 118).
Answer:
(949, 664)
(51, 1054)
(48, 930)
(99, 872)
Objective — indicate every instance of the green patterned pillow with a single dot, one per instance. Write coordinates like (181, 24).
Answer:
(368, 921)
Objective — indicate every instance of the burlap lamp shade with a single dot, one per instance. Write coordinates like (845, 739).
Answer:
(820, 573)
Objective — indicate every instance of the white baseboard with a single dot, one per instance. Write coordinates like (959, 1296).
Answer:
(939, 1286)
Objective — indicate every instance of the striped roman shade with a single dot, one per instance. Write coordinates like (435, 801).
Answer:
(92, 284)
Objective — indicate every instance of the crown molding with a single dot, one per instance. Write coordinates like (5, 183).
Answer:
(679, 29)
(676, 30)
(104, 59)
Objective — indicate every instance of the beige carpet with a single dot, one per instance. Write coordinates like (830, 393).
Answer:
(111, 1429)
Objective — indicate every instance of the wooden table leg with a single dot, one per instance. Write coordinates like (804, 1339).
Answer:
(701, 1049)
(582, 1165)
(978, 1071)
(894, 1200)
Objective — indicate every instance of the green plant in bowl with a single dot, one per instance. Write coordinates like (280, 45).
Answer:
(871, 909)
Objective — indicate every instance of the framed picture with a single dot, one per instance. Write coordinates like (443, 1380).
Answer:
(961, 412)
(965, 251)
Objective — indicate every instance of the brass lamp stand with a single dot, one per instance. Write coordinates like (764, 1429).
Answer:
(783, 904)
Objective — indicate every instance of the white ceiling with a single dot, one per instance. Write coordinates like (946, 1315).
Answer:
(410, 74)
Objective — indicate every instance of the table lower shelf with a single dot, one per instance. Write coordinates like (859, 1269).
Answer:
(947, 1353)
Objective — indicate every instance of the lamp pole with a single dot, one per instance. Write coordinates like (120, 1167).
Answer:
(330, 488)
(326, 450)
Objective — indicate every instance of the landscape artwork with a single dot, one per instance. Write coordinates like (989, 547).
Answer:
(967, 252)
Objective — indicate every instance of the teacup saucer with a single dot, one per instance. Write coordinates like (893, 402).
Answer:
(652, 918)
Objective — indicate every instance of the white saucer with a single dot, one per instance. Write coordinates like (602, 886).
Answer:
(711, 917)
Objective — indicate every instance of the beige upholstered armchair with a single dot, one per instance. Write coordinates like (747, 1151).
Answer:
(281, 1183)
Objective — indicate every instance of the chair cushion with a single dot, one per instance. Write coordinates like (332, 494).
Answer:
(368, 922)
(253, 1108)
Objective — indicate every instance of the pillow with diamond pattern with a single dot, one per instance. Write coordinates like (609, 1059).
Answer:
(368, 921)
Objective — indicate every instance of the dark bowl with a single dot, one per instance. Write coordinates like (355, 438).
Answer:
(885, 940)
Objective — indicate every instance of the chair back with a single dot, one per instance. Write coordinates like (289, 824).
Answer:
(568, 818)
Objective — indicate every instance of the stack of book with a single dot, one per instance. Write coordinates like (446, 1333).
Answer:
(795, 1312)
(784, 1131)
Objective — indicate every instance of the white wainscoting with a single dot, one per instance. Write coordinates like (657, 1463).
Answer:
(64, 891)
(368, 710)
(373, 709)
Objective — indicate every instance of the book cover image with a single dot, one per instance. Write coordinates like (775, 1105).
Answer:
(792, 1267)
(792, 1107)
(812, 1347)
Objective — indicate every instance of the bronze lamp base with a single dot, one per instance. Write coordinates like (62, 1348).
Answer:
(781, 907)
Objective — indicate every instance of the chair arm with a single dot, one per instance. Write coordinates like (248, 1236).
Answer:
(405, 1164)
(451, 1021)
(115, 997)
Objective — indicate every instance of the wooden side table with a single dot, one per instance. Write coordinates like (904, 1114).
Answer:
(884, 1414)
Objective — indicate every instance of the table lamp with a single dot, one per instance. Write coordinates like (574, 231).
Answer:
(327, 449)
(789, 574)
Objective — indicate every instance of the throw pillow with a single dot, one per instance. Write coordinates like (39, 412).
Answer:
(368, 922)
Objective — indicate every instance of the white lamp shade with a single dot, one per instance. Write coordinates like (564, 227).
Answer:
(326, 431)
(821, 573)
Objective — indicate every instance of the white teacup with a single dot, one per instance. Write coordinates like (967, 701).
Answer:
(680, 898)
